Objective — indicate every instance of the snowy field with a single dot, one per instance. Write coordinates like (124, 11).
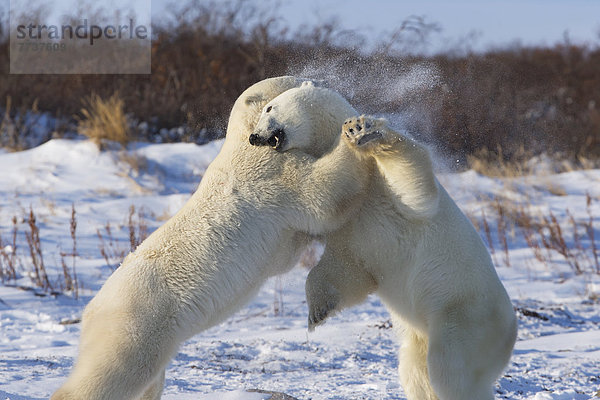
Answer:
(266, 345)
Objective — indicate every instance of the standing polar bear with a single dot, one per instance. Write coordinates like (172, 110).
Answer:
(252, 215)
(412, 245)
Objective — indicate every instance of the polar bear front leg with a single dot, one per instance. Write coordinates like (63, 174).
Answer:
(404, 163)
(335, 283)
(322, 297)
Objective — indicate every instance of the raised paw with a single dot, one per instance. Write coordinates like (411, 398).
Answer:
(364, 129)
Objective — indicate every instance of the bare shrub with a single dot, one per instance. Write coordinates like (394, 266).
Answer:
(525, 221)
(10, 261)
(17, 127)
(111, 250)
(543, 99)
(502, 231)
(572, 239)
(138, 228)
(488, 235)
(69, 277)
(552, 237)
(412, 34)
(40, 276)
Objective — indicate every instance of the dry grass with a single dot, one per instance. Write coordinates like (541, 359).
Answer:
(495, 164)
(39, 275)
(110, 248)
(137, 227)
(11, 260)
(104, 120)
(488, 235)
(70, 276)
(571, 241)
(114, 251)
(521, 162)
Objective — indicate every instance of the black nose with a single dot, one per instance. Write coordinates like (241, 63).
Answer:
(255, 140)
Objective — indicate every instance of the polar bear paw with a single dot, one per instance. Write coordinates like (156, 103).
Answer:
(318, 313)
(323, 300)
(364, 130)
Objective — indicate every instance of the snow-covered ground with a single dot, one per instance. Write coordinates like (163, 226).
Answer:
(266, 345)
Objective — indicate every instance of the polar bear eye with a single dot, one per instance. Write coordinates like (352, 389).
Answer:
(269, 108)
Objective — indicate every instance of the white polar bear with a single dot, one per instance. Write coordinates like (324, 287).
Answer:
(250, 218)
(412, 245)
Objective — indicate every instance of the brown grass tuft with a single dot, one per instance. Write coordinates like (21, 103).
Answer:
(104, 120)
(498, 164)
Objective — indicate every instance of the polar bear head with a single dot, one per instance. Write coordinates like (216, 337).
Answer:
(248, 106)
(308, 118)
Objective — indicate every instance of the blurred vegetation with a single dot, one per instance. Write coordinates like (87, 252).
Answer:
(104, 120)
(495, 103)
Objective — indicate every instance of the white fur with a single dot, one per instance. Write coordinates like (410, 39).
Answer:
(249, 219)
(412, 246)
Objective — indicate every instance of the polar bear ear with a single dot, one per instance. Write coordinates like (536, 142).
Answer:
(320, 83)
(255, 98)
(315, 83)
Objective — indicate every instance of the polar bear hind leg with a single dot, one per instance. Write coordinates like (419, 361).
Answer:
(444, 364)
(128, 336)
(412, 363)
(455, 371)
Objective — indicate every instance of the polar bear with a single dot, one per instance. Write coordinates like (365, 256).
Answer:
(252, 215)
(412, 246)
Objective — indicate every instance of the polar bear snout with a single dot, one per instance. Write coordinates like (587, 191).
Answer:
(275, 139)
(256, 140)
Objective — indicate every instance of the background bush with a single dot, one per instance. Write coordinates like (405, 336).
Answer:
(538, 99)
